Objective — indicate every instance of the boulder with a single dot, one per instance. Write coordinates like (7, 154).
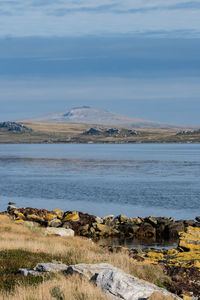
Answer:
(122, 218)
(55, 223)
(50, 267)
(43, 268)
(173, 229)
(119, 285)
(50, 217)
(198, 219)
(34, 218)
(102, 229)
(71, 216)
(146, 230)
(59, 231)
(115, 283)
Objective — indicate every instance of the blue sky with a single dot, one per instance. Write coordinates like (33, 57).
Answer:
(139, 58)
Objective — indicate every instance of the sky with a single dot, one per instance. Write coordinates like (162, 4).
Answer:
(134, 57)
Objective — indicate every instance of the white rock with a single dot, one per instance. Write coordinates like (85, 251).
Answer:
(115, 283)
(50, 267)
(30, 272)
(59, 231)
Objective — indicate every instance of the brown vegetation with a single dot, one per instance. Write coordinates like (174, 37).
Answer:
(72, 133)
(21, 247)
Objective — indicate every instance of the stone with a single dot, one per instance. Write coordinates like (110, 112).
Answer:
(87, 270)
(198, 219)
(50, 267)
(102, 229)
(153, 221)
(59, 213)
(59, 231)
(108, 217)
(29, 272)
(50, 217)
(71, 216)
(122, 218)
(115, 283)
(98, 220)
(20, 215)
(34, 218)
(55, 223)
(84, 230)
(43, 268)
(173, 229)
(146, 230)
(19, 221)
(119, 285)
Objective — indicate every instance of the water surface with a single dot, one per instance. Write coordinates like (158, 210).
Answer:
(133, 179)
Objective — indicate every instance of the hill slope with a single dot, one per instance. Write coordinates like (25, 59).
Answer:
(89, 115)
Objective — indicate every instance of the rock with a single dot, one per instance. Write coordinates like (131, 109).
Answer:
(160, 296)
(102, 229)
(43, 268)
(146, 230)
(55, 223)
(92, 131)
(189, 223)
(113, 131)
(29, 272)
(10, 207)
(122, 218)
(84, 230)
(19, 221)
(50, 267)
(115, 283)
(108, 218)
(59, 231)
(119, 285)
(198, 219)
(99, 220)
(59, 213)
(153, 221)
(172, 230)
(128, 230)
(71, 216)
(16, 127)
(49, 217)
(34, 218)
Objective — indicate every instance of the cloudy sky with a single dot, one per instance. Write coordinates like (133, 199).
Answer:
(135, 57)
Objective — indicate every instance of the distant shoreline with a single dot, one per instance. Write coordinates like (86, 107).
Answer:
(66, 133)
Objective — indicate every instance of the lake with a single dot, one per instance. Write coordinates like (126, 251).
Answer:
(132, 179)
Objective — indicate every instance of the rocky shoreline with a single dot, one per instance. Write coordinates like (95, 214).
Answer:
(181, 264)
(87, 225)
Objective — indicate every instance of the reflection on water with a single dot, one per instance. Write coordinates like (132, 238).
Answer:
(139, 179)
(139, 244)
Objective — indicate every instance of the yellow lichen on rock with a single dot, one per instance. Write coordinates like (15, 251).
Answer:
(19, 221)
(49, 217)
(186, 255)
(20, 215)
(71, 217)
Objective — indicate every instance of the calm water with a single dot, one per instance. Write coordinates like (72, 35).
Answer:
(137, 179)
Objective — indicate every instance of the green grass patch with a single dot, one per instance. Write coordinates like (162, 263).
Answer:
(13, 260)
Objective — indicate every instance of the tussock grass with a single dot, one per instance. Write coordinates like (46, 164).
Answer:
(21, 247)
(59, 288)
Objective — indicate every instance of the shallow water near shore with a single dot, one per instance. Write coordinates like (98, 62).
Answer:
(132, 179)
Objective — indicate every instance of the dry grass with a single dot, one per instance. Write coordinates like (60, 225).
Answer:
(72, 133)
(33, 246)
(60, 288)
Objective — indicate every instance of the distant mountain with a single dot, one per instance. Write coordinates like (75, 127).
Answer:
(89, 115)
